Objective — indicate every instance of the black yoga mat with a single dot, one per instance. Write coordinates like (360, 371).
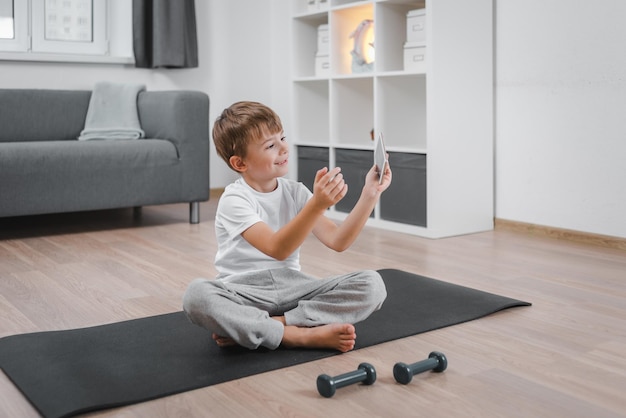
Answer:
(63, 373)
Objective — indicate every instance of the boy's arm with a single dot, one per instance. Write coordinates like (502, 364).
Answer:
(329, 188)
(340, 237)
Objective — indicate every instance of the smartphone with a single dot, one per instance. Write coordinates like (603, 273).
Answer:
(380, 156)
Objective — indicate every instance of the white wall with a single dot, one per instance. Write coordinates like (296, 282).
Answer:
(561, 114)
(560, 97)
(249, 40)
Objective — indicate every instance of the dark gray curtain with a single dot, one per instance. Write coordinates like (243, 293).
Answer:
(164, 34)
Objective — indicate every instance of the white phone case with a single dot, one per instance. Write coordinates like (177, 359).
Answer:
(380, 156)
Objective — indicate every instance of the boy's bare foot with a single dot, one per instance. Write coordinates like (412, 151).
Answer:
(340, 337)
(223, 341)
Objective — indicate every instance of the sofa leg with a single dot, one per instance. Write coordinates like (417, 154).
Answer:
(194, 212)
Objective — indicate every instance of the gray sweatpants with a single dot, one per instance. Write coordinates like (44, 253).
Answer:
(241, 306)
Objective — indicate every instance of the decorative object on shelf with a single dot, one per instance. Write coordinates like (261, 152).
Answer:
(363, 50)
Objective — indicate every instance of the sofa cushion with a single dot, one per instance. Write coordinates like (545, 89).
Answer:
(80, 157)
(42, 115)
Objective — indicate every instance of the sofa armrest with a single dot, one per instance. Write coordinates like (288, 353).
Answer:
(181, 117)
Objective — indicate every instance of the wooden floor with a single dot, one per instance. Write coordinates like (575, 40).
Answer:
(563, 357)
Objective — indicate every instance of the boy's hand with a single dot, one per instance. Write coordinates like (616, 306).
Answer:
(329, 187)
(340, 237)
(372, 180)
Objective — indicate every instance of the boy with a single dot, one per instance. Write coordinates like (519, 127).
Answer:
(260, 297)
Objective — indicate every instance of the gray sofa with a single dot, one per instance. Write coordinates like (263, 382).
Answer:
(45, 169)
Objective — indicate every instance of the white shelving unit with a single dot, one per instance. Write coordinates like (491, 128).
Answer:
(441, 117)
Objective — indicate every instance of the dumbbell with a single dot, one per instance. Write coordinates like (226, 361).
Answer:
(327, 385)
(403, 373)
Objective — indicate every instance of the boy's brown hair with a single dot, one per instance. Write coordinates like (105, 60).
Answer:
(241, 123)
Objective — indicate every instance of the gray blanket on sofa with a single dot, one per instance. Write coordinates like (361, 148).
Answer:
(112, 112)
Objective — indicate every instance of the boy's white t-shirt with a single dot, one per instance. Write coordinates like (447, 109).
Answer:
(239, 208)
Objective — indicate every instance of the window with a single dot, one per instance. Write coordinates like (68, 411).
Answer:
(66, 30)
(13, 25)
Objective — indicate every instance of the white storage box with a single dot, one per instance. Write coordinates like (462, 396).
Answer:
(416, 25)
(415, 57)
(322, 40)
(315, 5)
(322, 65)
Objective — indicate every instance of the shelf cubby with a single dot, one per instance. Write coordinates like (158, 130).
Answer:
(352, 111)
(401, 111)
(305, 36)
(312, 121)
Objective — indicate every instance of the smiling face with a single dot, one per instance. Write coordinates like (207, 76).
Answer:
(265, 160)
(239, 125)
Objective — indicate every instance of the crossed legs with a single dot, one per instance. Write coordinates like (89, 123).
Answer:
(274, 307)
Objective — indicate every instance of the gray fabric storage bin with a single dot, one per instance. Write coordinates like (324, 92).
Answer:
(354, 165)
(311, 159)
(405, 199)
